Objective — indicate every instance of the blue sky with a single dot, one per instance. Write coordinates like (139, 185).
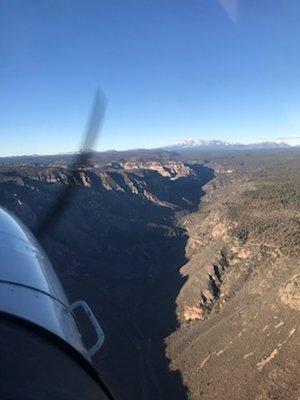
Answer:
(171, 69)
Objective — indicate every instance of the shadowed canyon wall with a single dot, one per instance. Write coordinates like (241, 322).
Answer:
(118, 246)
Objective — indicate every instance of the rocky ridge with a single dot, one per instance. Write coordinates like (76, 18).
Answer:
(239, 306)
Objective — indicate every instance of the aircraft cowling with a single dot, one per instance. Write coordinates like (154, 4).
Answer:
(31, 290)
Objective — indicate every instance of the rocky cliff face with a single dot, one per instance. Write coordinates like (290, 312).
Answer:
(239, 306)
(152, 181)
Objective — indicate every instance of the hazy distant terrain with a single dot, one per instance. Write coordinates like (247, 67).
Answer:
(190, 260)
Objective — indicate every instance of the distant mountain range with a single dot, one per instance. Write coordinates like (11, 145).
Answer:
(198, 144)
(182, 146)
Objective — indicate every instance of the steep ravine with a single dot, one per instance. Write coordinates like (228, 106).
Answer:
(119, 247)
(238, 307)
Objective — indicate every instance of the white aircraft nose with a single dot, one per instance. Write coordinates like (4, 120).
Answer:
(22, 260)
(31, 290)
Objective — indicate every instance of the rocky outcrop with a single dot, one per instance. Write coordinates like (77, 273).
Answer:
(290, 292)
(170, 169)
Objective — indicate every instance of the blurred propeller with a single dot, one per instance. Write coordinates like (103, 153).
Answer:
(92, 130)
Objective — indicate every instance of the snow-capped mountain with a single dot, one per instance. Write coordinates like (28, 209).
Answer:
(198, 144)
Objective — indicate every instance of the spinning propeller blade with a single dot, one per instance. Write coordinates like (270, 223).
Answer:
(61, 203)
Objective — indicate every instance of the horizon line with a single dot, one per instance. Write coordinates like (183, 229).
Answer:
(70, 153)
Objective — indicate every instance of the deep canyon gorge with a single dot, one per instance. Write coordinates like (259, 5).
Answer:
(182, 265)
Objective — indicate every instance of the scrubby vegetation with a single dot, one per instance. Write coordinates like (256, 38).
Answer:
(262, 197)
(270, 211)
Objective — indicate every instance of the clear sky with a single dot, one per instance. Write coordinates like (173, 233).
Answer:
(171, 69)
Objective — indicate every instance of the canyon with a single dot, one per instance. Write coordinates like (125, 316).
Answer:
(190, 262)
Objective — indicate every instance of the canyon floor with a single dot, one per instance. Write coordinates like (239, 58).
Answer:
(190, 261)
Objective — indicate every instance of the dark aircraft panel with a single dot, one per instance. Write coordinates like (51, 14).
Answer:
(33, 367)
